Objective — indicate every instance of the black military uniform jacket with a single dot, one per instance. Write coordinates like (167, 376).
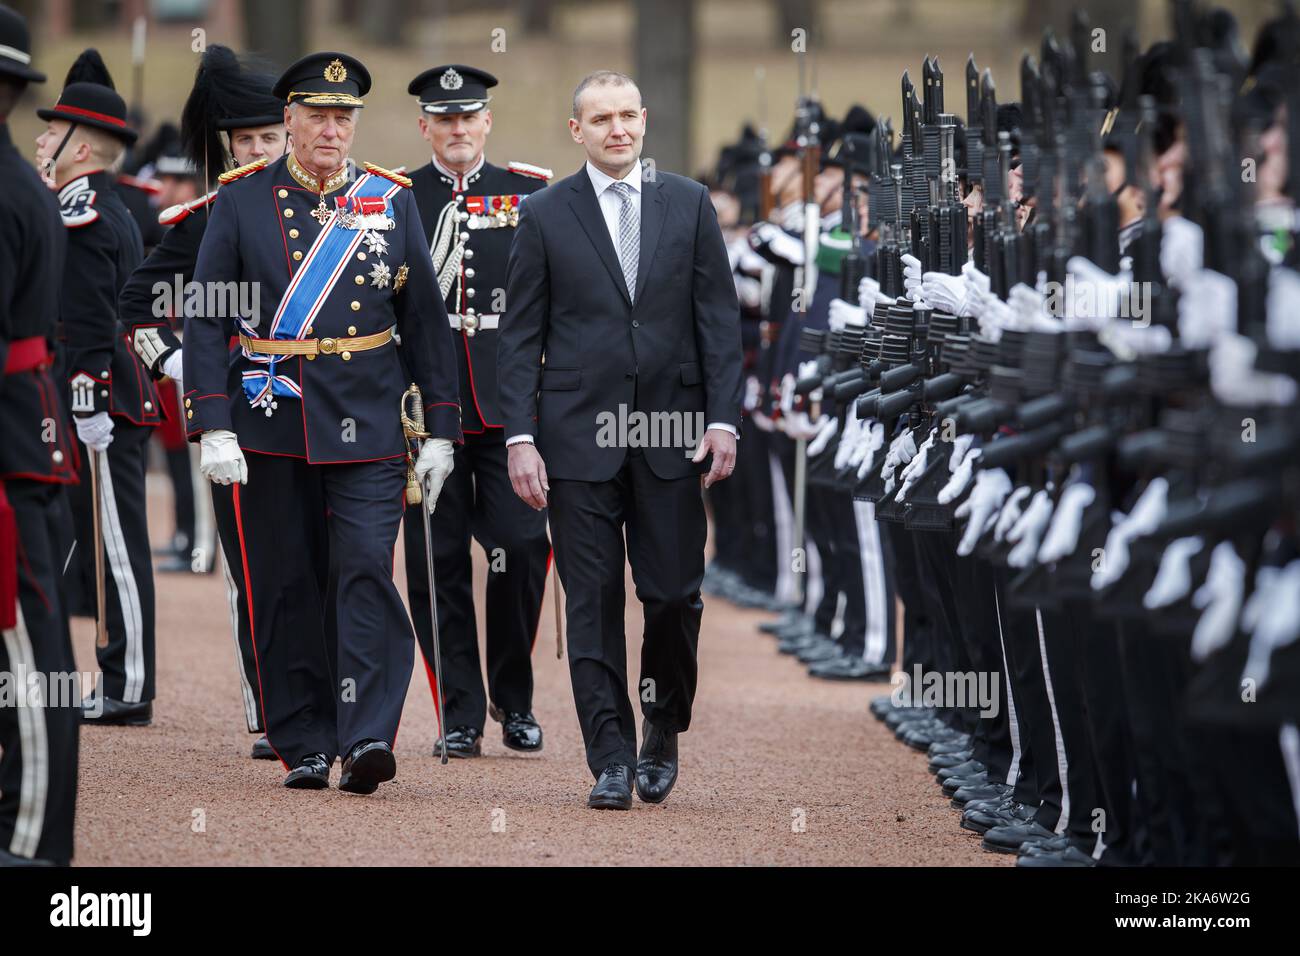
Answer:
(104, 373)
(481, 211)
(36, 443)
(339, 405)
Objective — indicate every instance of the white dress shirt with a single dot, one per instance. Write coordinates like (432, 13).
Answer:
(611, 206)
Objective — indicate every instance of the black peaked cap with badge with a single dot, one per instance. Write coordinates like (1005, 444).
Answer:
(452, 88)
(324, 79)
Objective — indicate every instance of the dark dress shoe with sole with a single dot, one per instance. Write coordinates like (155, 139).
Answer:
(311, 773)
(366, 766)
(108, 712)
(848, 667)
(613, 791)
(1009, 838)
(656, 765)
(461, 742)
(262, 750)
(519, 732)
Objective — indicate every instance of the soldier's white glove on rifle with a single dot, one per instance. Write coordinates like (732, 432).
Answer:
(1219, 600)
(1174, 576)
(1028, 532)
(1284, 308)
(843, 314)
(1143, 519)
(95, 431)
(1182, 250)
(799, 426)
(991, 489)
(901, 450)
(437, 458)
(827, 427)
(849, 439)
(1063, 536)
(961, 475)
(1028, 309)
(951, 294)
(1095, 296)
(1010, 512)
(911, 276)
(1207, 309)
(869, 293)
(1272, 617)
(912, 473)
(220, 459)
(993, 316)
(1235, 380)
(870, 445)
(766, 237)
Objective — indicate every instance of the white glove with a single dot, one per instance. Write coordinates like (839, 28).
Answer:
(993, 316)
(843, 314)
(1219, 600)
(1284, 308)
(1182, 247)
(978, 281)
(1010, 513)
(1206, 309)
(911, 275)
(220, 459)
(1235, 381)
(95, 431)
(779, 242)
(1143, 519)
(1028, 531)
(1128, 340)
(1063, 536)
(869, 293)
(951, 294)
(753, 392)
(991, 489)
(786, 402)
(901, 450)
(870, 445)
(762, 422)
(437, 458)
(960, 478)
(961, 446)
(172, 367)
(912, 473)
(1174, 576)
(799, 426)
(1029, 310)
(828, 426)
(1097, 296)
(1272, 617)
(850, 437)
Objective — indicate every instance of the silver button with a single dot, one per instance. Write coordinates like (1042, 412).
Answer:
(57, 456)
(459, 198)
(469, 273)
(464, 237)
(104, 374)
(469, 311)
(148, 406)
(469, 253)
(462, 216)
(469, 293)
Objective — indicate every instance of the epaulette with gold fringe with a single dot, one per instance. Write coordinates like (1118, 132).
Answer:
(388, 174)
(246, 170)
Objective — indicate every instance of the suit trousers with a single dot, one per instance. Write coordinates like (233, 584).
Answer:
(665, 528)
(333, 662)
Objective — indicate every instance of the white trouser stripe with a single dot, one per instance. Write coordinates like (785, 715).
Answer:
(1062, 764)
(119, 560)
(876, 645)
(33, 747)
(232, 597)
(1013, 772)
(783, 512)
(1289, 738)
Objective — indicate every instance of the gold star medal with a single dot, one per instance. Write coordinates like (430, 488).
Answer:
(400, 279)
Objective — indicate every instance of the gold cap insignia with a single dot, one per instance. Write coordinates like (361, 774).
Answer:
(336, 72)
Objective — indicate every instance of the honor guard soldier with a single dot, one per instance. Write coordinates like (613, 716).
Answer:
(114, 401)
(38, 738)
(329, 270)
(469, 208)
(231, 112)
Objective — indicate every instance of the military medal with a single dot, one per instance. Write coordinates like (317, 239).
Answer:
(375, 243)
(379, 275)
(400, 279)
(321, 213)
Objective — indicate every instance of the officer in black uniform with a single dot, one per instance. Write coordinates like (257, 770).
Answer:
(469, 209)
(331, 272)
(113, 398)
(38, 744)
(231, 112)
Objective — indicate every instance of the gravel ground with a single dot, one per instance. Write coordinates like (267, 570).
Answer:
(777, 769)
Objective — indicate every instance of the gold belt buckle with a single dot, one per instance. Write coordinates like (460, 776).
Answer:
(327, 346)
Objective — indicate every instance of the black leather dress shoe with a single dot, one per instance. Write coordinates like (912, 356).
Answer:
(1069, 857)
(1056, 844)
(979, 791)
(959, 770)
(1012, 836)
(108, 712)
(960, 743)
(799, 642)
(8, 859)
(262, 750)
(944, 761)
(656, 765)
(461, 742)
(982, 818)
(518, 731)
(820, 652)
(311, 773)
(922, 737)
(848, 667)
(366, 766)
(613, 791)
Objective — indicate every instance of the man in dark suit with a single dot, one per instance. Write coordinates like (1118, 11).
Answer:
(619, 368)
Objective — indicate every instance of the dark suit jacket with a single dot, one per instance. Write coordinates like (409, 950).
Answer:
(573, 347)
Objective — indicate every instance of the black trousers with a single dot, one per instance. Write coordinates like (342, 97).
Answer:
(178, 469)
(323, 693)
(38, 729)
(665, 527)
(817, 535)
(478, 502)
(127, 662)
(757, 557)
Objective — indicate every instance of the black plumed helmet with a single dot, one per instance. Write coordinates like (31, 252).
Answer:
(228, 94)
(89, 67)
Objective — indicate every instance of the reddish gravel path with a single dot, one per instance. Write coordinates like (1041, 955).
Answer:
(768, 745)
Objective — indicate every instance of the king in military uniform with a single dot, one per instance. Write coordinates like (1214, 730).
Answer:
(469, 209)
(321, 271)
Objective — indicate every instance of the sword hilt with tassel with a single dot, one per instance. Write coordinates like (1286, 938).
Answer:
(413, 430)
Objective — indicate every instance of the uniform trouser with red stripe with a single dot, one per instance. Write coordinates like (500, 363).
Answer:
(478, 502)
(127, 662)
(321, 695)
(38, 729)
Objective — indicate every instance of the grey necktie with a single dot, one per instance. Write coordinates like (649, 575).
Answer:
(629, 236)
